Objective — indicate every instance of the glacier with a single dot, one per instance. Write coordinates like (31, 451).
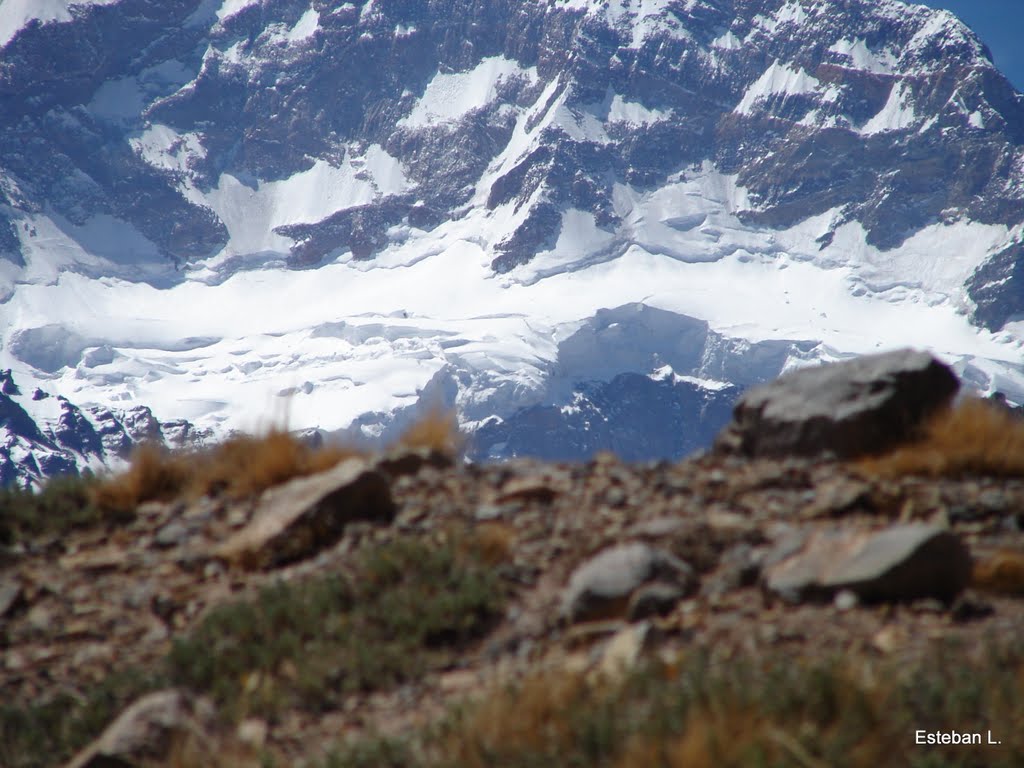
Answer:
(678, 198)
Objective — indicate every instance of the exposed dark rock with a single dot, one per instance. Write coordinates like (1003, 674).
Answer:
(847, 409)
(997, 289)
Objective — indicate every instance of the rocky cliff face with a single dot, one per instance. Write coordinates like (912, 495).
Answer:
(42, 435)
(476, 146)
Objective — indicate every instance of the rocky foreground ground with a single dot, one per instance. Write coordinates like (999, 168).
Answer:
(336, 619)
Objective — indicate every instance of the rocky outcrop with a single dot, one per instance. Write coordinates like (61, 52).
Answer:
(865, 405)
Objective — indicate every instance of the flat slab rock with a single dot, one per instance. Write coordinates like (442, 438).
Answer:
(603, 586)
(850, 408)
(905, 562)
(303, 516)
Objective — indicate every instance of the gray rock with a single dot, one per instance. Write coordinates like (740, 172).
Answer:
(602, 586)
(171, 535)
(858, 406)
(147, 731)
(301, 517)
(739, 566)
(902, 563)
(10, 592)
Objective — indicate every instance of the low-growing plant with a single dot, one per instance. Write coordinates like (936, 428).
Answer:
(48, 733)
(437, 429)
(699, 712)
(974, 437)
(243, 466)
(154, 474)
(63, 504)
(240, 467)
(310, 643)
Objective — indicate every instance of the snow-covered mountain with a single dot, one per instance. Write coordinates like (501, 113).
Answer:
(584, 223)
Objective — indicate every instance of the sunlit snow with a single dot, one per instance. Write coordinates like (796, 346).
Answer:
(778, 79)
(896, 115)
(450, 96)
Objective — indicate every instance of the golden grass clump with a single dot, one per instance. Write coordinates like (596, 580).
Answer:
(437, 430)
(246, 465)
(973, 437)
(154, 474)
(535, 718)
(240, 467)
(999, 572)
(854, 713)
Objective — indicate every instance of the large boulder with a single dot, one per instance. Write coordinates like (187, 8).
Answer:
(303, 516)
(847, 409)
(904, 562)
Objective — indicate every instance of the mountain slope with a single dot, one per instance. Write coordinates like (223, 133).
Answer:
(236, 211)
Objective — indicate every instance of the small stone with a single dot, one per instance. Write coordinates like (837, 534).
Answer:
(253, 732)
(837, 496)
(889, 638)
(487, 512)
(10, 593)
(172, 534)
(538, 488)
(623, 651)
(40, 618)
(601, 587)
(657, 528)
(928, 605)
(615, 496)
(15, 661)
(846, 600)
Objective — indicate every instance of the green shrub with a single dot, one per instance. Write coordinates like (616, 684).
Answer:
(65, 503)
(48, 733)
(310, 643)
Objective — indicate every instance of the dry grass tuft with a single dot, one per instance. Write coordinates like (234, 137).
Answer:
(437, 430)
(240, 467)
(975, 437)
(244, 466)
(533, 719)
(155, 474)
(1000, 572)
(773, 710)
(494, 542)
(247, 465)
